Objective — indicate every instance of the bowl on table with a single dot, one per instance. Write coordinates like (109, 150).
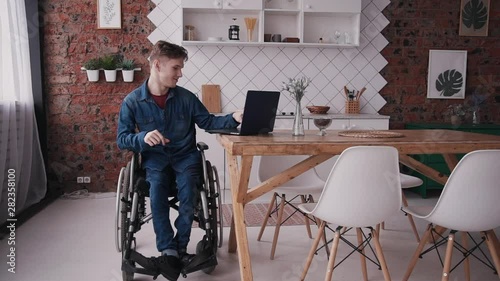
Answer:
(318, 109)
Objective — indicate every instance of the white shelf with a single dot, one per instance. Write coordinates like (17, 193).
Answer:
(308, 20)
(265, 44)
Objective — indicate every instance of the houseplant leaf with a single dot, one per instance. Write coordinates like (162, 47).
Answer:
(475, 14)
(449, 82)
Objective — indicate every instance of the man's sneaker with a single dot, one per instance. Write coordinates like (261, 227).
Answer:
(169, 266)
(186, 258)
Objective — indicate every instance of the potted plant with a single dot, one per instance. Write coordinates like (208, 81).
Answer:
(110, 64)
(127, 66)
(457, 113)
(92, 68)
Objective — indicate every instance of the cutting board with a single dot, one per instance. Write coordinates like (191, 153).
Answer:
(210, 97)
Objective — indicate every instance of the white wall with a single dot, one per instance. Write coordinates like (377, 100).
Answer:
(238, 69)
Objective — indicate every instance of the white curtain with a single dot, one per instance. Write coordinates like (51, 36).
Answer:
(22, 170)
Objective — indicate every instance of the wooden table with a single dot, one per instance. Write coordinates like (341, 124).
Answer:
(321, 148)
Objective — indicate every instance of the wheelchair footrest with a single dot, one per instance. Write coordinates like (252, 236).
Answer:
(203, 260)
(135, 257)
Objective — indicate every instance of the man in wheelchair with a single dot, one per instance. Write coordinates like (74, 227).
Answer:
(158, 121)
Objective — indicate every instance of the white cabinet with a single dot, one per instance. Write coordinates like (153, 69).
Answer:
(334, 6)
(305, 20)
(359, 124)
(221, 4)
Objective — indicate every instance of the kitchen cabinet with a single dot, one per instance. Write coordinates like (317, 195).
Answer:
(305, 20)
(436, 161)
(221, 4)
(335, 6)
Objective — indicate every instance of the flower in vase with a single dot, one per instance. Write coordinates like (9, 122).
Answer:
(296, 87)
(457, 110)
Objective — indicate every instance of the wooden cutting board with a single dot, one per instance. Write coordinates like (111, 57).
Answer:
(210, 97)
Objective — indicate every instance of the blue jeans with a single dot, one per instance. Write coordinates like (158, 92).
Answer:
(186, 173)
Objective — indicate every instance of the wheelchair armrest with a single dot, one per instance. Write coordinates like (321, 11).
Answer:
(202, 146)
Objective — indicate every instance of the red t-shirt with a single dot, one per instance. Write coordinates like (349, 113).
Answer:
(160, 100)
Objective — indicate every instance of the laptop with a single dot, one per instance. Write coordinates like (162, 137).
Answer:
(259, 114)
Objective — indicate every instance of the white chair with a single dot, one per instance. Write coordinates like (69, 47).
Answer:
(408, 181)
(469, 202)
(305, 186)
(362, 190)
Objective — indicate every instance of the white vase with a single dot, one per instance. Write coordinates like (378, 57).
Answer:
(128, 75)
(298, 121)
(110, 75)
(455, 120)
(93, 75)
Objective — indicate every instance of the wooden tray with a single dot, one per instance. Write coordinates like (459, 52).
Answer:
(370, 134)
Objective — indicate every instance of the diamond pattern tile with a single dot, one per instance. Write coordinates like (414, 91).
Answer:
(238, 69)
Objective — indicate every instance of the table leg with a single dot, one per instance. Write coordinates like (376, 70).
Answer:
(239, 186)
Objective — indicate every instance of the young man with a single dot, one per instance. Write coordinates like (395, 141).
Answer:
(158, 120)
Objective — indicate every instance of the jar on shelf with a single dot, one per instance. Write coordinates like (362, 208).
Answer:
(234, 32)
(189, 34)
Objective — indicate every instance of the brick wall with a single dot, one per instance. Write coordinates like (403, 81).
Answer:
(419, 26)
(82, 116)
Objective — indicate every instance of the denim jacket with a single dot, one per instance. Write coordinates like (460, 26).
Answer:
(139, 114)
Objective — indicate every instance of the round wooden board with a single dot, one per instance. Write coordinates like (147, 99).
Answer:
(370, 134)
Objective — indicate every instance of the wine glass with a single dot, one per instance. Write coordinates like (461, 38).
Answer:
(322, 123)
(336, 35)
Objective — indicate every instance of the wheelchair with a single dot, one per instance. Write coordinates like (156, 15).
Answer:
(131, 215)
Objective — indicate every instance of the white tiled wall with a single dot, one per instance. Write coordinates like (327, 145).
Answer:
(238, 69)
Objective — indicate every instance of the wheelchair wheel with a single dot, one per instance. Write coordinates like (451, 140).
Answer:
(125, 220)
(220, 217)
(118, 214)
(211, 237)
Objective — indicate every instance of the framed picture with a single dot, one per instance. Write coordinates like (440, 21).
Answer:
(109, 15)
(446, 79)
(474, 17)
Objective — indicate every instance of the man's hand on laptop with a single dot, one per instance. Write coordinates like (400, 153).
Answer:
(154, 138)
(238, 115)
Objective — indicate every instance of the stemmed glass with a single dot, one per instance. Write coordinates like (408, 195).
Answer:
(322, 123)
(337, 37)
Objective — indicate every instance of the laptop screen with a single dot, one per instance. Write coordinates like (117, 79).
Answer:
(259, 113)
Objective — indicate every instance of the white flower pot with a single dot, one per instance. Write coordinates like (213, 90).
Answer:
(93, 75)
(128, 75)
(110, 75)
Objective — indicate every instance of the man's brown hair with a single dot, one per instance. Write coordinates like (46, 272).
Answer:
(169, 50)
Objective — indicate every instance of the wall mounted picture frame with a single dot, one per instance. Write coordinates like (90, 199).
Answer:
(474, 17)
(447, 74)
(109, 15)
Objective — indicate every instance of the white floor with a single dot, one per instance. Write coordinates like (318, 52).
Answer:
(74, 240)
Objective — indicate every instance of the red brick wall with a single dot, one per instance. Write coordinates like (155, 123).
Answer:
(82, 116)
(419, 26)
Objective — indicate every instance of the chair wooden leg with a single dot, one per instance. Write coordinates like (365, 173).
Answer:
(306, 218)
(382, 225)
(278, 225)
(410, 218)
(377, 228)
(312, 251)
(333, 254)
(380, 255)
(447, 259)
(416, 255)
(465, 244)
(361, 256)
(491, 242)
(266, 218)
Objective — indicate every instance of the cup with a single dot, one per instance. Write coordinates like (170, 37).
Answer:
(276, 38)
(267, 37)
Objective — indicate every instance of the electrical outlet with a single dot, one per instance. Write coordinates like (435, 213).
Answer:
(79, 180)
(86, 179)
